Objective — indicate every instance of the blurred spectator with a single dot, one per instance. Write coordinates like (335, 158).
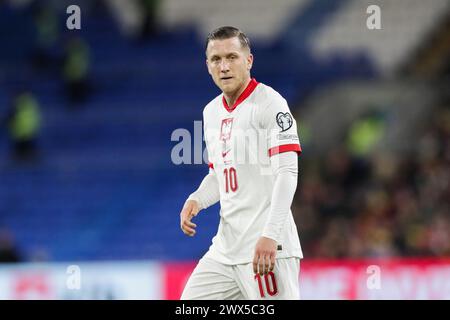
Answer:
(23, 123)
(439, 239)
(46, 25)
(76, 70)
(8, 251)
(354, 203)
(365, 133)
(149, 23)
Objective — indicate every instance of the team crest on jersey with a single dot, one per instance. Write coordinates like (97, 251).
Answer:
(225, 130)
(284, 121)
(225, 137)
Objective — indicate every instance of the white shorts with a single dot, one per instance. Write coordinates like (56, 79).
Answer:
(212, 280)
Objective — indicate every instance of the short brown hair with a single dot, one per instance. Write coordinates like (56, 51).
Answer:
(228, 32)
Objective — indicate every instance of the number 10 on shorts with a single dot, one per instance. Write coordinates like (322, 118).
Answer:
(270, 284)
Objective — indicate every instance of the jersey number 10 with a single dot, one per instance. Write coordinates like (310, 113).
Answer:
(270, 282)
(230, 180)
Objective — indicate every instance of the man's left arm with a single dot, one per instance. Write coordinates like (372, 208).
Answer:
(283, 149)
(285, 169)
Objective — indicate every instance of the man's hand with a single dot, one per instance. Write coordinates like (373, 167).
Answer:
(190, 210)
(265, 252)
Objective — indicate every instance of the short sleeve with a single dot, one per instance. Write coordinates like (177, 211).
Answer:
(281, 128)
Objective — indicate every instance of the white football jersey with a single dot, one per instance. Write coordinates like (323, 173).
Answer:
(240, 141)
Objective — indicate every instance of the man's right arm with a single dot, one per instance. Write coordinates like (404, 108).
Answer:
(205, 196)
(207, 193)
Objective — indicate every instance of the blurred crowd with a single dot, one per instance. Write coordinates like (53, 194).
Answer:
(378, 205)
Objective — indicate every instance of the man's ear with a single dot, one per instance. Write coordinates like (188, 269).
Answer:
(207, 66)
(249, 61)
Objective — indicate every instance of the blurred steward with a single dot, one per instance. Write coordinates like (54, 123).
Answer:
(23, 123)
(76, 70)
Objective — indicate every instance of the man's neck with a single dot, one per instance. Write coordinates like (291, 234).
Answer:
(231, 99)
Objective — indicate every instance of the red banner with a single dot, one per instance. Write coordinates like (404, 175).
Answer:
(406, 279)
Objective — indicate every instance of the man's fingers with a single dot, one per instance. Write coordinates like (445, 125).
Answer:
(189, 224)
(190, 234)
(188, 231)
(272, 262)
(255, 263)
(267, 264)
(261, 264)
(187, 213)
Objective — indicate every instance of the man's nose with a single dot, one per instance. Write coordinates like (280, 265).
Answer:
(224, 66)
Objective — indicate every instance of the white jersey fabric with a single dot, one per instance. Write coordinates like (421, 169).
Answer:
(242, 141)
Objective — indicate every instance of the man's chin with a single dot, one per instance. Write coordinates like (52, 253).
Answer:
(227, 88)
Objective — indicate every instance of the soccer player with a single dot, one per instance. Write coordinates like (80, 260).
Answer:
(253, 148)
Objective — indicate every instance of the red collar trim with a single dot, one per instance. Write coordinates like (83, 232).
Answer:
(244, 95)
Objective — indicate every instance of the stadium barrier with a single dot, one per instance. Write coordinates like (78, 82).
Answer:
(408, 279)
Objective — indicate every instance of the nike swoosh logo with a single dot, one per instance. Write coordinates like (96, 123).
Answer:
(225, 153)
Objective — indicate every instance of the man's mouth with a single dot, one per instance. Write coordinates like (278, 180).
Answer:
(226, 78)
